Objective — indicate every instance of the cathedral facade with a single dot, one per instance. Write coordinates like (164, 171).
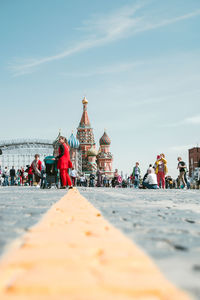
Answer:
(91, 158)
(84, 155)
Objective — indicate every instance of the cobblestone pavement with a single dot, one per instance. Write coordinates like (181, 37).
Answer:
(21, 208)
(166, 224)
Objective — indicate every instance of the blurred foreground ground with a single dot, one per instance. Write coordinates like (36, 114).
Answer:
(166, 224)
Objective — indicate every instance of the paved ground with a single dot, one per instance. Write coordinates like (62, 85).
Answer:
(22, 207)
(166, 224)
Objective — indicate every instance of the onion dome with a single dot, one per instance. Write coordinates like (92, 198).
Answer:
(105, 140)
(92, 151)
(84, 101)
(73, 142)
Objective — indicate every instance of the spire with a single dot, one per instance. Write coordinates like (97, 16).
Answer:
(85, 119)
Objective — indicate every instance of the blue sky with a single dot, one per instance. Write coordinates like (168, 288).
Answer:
(137, 62)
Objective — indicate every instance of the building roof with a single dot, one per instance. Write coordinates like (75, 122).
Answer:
(84, 119)
(92, 151)
(105, 140)
(73, 141)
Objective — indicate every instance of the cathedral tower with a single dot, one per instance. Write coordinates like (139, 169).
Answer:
(85, 135)
(105, 157)
(75, 153)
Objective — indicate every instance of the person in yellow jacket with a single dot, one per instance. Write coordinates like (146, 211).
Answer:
(161, 169)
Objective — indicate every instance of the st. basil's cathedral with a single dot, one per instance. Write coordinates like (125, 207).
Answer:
(84, 156)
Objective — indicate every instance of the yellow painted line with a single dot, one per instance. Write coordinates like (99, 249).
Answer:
(74, 253)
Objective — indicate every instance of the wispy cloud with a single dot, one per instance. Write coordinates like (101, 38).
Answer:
(107, 69)
(194, 120)
(102, 30)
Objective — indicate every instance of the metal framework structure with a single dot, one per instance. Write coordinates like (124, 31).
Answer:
(25, 143)
(20, 152)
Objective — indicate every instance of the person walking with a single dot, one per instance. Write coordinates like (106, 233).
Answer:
(136, 175)
(73, 176)
(99, 178)
(115, 178)
(12, 175)
(5, 176)
(105, 180)
(161, 169)
(36, 167)
(30, 175)
(42, 175)
(91, 180)
(182, 172)
(82, 180)
(21, 174)
(64, 163)
(18, 179)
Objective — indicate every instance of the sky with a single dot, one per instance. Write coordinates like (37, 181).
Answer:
(137, 62)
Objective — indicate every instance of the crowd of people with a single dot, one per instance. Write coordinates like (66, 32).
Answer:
(22, 176)
(156, 175)
(37, 174)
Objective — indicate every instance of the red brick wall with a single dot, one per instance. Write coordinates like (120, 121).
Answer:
(194, 159)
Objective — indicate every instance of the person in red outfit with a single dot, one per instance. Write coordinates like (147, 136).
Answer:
(21, 173)
(161, 169)
(36, 167)
(30, 176)
(64, 163)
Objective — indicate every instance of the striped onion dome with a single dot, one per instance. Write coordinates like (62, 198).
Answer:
(73, 142)
(105, 140)
(92, 151)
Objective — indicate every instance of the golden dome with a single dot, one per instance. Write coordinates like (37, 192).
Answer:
(84, 101)
(92, 151)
